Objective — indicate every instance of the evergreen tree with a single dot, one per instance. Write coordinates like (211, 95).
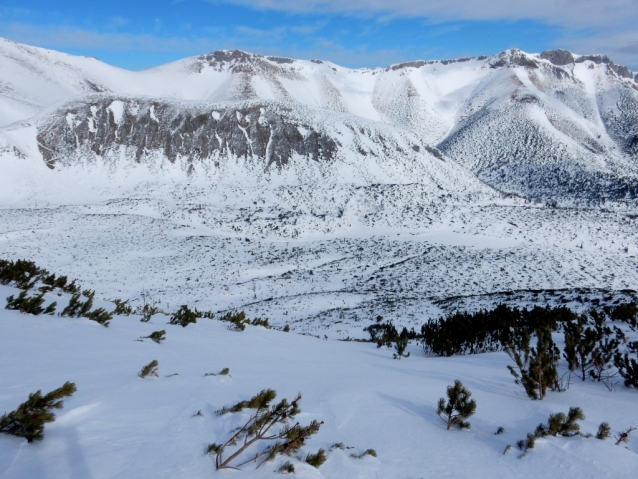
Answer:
(401, 344)
(458, 408)
(29, 419)
(237, 320)
(122, 308)
(316, 460)
(30, 304)
(157, 336)
(77, 308)
(562, 424)
(580, 342)
(264, 417)
(557, 424)
(604, 431)
(184, 316)
(628, 369)
(535, 367)
(149, 370)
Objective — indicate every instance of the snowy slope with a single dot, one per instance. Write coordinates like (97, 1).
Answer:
(118, 425)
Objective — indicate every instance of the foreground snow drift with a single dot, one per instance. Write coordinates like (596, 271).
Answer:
(118, 425)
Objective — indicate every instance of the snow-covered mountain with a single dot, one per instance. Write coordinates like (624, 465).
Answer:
(318, 195)
(554, 126)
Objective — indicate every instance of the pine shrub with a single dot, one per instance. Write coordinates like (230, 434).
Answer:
(628, 369)
(367, 452)
(30, 304)
(286, 468)
(317, 459)
(604, 431)
(25, 274)
(627, 313)
(157, 336)
(149, 370)
(535, 367)
(29, 419)
(122, 308)
(458, 408)
(261, 322)
(237, 320)
(558, 424)
(561, 424)
(263, 417)
(184, 316)
(147, 312)
(401, 344)
(487, 331)
(77, 308)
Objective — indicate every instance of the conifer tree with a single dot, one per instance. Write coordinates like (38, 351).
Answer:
(237, 320)
(30, 304)
(264, 417)
(535, 367)
(157, 336)
(317, 459)
(149, 370)
(401, 344)
(562, 424)
(29, 419)
(604, 431)
(458, 408)
(580, 342)
(628, 369)
(82, 309)
(184, 316)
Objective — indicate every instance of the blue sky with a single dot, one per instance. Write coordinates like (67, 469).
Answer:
(141, 33)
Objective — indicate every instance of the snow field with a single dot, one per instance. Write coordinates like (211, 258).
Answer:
(119, 425)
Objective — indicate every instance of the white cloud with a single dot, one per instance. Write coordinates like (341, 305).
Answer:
(588, 26)
(566, 13)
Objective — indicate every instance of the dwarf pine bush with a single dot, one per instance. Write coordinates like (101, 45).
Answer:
(184, 316)
(367, 452)
(628, 369)
(157, 336)
(30, 304)
(535, 367)
(29, 419)
(401, 344)
(286, 468)
(78, 308)
(562, 424)
(122, 308)
(263, 417)
(25, 274)
(458, 408)
(604, 431)
(149, 370)
(317, 459)
(237, 320)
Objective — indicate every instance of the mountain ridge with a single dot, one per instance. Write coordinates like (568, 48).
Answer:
(553, 127)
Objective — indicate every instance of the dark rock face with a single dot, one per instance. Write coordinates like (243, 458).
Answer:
(558, 57)
(198, 133)
(620, 70)
(513, 58)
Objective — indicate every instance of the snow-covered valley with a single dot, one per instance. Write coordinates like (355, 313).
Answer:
(321, 198)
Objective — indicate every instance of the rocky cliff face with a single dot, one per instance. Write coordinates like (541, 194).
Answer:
(103, 124)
